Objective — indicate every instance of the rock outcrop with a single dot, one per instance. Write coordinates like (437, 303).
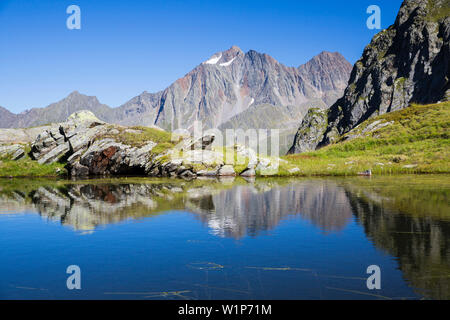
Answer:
(13, 152)
(406, 63)
(91, 147)
(312, 128)
(20, 136)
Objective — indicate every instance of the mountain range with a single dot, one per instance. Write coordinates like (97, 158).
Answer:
(232, 89)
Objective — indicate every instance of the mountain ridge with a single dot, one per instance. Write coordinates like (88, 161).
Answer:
(214, 92)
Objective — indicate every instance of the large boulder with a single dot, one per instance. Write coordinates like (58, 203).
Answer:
(226, 171)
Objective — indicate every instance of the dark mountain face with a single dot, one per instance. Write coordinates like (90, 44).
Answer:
(406, 63)
(219, 92)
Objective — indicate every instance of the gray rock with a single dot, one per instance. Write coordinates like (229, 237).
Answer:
(372, 127)
(248, 154)
(78, 170)
(14, 152)
(249, 172)
(294, 170)
(226, 170)
(54, 154)
(188, 174)
(310, 132)
(20, 136)
(207, 173)
(206, 157)
(200, 144)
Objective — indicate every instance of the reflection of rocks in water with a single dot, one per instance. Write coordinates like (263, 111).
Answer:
(250, 209)
(86, 206)
(13, 202)
(409, 221)
(230, 210)
(420, 243)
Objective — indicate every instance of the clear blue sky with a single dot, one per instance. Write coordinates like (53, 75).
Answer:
(126, 47)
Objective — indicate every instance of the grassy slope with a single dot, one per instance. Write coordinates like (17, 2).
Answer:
(29, 168)
(418, 137)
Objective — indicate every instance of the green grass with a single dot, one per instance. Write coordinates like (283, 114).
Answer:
(141, 137)
(26, 167)
(437, 13)
(30, 168)
(419, 137)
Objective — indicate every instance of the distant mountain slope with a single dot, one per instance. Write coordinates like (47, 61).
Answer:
(58, 111)
(7, 118)
(406, 63)
(215, 92)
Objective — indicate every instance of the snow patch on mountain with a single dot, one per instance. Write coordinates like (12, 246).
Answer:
(214, 60)
(226, 64)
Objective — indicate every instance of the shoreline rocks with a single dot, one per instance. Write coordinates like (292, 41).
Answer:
(91, 147)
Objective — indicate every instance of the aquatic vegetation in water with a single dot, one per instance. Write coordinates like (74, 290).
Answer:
(205, 266)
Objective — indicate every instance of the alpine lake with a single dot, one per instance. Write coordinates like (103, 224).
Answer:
(230, 238)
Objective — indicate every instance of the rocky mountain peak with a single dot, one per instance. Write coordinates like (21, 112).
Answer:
(224, 58)
(234, 50)
(78, 97)
(329, 61)
(74, 94)
(230, 83)
(406, 63)
(327, 70)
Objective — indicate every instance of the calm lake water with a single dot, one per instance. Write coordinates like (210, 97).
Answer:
(136, 238)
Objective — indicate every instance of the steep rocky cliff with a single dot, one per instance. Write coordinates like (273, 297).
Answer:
(406, 63)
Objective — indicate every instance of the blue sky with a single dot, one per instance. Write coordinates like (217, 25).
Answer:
(126, 47)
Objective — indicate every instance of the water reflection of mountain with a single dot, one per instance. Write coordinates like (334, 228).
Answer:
(408, 220)
(251, 209)
(419, 240)
(229, 210)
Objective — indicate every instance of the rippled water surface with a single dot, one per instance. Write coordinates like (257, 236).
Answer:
(312, 238)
